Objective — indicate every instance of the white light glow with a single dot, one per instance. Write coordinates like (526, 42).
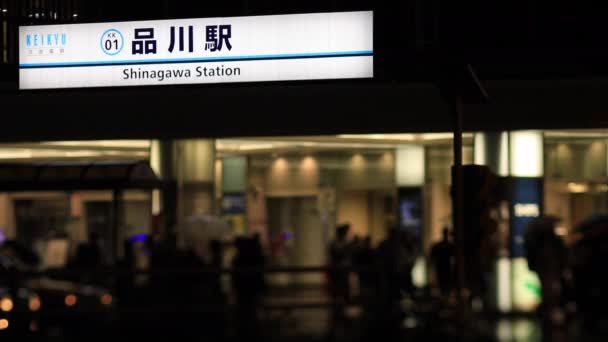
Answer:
(131, 149)
(479, 147)
(256, 147)
(103, 143)
(15, 154)
(402, 137)
(503, 284)
(407, 137)
(577, 188)
(526, 210)
(419, 275)
(410, 165)
(526, 153)
(526, 286)
(235, 146)
(574, 133)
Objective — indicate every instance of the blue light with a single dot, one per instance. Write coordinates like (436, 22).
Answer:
(329, 54)
(287, 236)
(138, 238)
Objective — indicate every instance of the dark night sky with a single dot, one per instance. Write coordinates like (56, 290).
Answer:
(545, 64)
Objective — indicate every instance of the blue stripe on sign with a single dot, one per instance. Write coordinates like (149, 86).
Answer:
(201, 59)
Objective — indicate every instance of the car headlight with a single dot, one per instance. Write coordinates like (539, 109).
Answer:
(34, 303)
(6, 304)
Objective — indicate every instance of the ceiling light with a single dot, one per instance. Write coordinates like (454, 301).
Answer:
(577, 187)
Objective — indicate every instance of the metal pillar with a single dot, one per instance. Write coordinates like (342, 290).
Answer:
(457, 198)
(117, 220)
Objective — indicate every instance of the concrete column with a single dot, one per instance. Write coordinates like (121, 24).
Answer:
(162, 161)
(492, 149)
(191, 164)
(195, 166)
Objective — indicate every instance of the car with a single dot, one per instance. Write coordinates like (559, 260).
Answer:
(33, 302)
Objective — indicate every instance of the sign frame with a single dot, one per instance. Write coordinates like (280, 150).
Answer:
(281, 60)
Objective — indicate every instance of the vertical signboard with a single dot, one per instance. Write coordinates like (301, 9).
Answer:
(526, 206)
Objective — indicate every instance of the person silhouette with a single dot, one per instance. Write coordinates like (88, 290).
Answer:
(546, 255)
(363, 260)
(248, 284)
(340, 258)
(88, 259)
(340, 255)
(442, 259)
(88, 255)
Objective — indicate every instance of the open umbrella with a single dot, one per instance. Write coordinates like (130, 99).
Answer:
(205, 227)
(593, 227)
(196, 232)
(539, 229)
(21, 253)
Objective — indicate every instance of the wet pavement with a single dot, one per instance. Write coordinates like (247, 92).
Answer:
(305, 314)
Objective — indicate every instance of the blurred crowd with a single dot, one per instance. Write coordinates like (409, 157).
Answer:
(184, 282)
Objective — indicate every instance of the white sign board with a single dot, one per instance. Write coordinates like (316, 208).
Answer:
(192, 51)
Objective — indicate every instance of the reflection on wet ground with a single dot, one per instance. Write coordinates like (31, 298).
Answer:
(518, 329)
(304, 314)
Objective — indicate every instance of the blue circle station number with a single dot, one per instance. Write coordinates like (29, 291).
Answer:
(112, 42)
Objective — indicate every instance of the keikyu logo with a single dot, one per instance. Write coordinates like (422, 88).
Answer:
(46, 40)
(46, 43)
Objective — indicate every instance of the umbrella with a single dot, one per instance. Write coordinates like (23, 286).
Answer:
(198, 231)
(540, 228)
(20, 252)
(595, 226)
